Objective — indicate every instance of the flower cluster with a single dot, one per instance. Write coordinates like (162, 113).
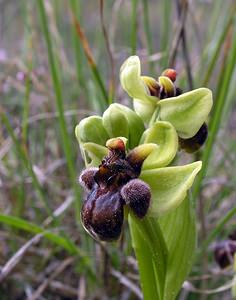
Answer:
(124, 145)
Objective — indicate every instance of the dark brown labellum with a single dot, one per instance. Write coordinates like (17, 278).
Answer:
(102, 214)
(111, 186)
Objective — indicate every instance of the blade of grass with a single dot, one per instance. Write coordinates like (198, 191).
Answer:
(218, 47)
(105, 100)
(29, 63)
(109, 52)
(134, 26)
(221, 94)
(58, 240)
(166, 9)
(26, 162)
(59, 102)
(182, 6)
(75, 6)
(148, 32)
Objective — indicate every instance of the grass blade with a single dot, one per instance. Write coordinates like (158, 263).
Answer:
(26, 162)
(88, 53)
(134, 26)
(148, 31)
(59, 100)
(221, 94)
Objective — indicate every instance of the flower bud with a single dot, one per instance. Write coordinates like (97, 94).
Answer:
(224, 253)
(170, 73)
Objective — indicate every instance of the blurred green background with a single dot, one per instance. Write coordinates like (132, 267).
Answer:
(59, 62)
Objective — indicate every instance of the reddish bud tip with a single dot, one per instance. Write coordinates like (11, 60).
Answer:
(170, 73)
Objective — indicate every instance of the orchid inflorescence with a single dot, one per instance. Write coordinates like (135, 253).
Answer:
(128, 156)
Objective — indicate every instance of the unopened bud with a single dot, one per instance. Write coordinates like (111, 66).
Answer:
(170, 73)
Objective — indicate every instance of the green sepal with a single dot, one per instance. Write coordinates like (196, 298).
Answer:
(91, 129)
(169, 186)
(93, 153)
(187, 112)
(164, 135)
(120, 120)
(132, 83)
(115, 122)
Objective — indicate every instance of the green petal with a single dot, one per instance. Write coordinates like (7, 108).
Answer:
(144, 109)
(120, 120)
(91, 129)
(164, 135)
(93, 154)
(132, 83)
(188, 111)
(169, 186)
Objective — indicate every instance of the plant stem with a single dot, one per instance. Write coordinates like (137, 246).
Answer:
(151, 253)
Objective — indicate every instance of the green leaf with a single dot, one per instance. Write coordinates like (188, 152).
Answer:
(132, 83)
(164, 135)
(169, 186)
(179, 229)
(91, 129)
(188, 111)
(32, 228)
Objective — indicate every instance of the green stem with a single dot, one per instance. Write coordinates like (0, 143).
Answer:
(151, 253)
